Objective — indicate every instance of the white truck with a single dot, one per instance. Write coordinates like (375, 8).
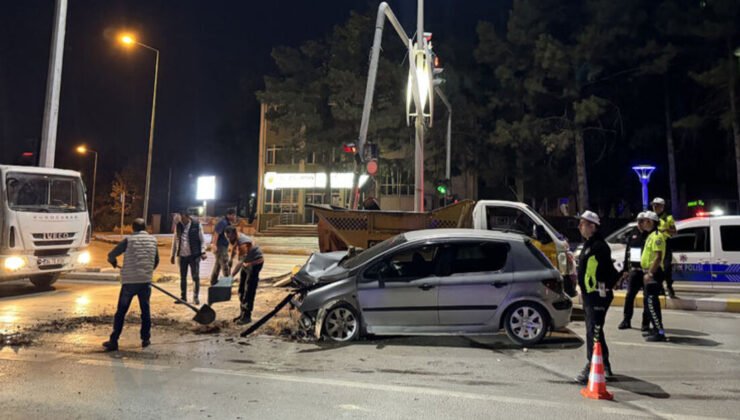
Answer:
(45, 228)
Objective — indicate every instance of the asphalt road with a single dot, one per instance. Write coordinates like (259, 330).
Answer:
(190, 372)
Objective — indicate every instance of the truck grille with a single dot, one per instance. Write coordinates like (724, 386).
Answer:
(51, 267)
(51, 252)
(53, 238)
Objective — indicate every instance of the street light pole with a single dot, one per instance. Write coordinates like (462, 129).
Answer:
(53, 87)
(129, 40)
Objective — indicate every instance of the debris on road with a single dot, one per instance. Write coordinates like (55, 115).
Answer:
(15, 340)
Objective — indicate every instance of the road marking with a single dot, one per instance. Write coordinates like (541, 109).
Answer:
(427, 391)
(675, 347)
(123, 364)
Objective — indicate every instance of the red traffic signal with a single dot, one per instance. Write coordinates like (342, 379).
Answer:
(372, 167)
(349, 148)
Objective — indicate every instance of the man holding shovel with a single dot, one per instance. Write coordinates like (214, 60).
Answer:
(140, 259)
(250, 263)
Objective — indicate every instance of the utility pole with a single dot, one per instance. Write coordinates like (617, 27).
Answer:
(53, 87)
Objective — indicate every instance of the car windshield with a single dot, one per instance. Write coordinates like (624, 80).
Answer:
(547, 224)
(370, 253)
(44, 193)
(620, 236)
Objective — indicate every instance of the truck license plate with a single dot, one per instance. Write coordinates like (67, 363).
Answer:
(52, 261)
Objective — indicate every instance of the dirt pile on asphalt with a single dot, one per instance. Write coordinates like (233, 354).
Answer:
(15, 340)
(70, 324)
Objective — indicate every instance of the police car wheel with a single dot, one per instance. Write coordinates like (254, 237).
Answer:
(526, 323)
(44, 281)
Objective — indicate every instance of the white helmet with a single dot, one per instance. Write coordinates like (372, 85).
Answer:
(652, 216)
(658, 200)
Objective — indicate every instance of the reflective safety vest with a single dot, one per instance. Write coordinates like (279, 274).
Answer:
(654, 243)
(667, 223)
(590, 279)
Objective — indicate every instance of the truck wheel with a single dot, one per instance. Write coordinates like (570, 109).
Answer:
(44, 281)
(526, 323)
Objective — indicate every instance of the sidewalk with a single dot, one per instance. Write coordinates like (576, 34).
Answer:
(687, 300)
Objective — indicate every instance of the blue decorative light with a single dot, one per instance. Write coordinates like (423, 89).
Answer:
(643, 173)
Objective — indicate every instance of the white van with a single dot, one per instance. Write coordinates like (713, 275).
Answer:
(44, 225)
(707, 250)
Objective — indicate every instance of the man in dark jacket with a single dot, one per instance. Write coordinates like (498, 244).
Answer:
(596, 277)
(633, 273)
(188, 247)
(140, 259)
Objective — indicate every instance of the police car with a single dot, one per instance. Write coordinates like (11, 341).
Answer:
(707, 250)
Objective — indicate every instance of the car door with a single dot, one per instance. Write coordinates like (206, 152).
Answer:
(692, 254)
(401, 289)
(474, 280)
(726, 255)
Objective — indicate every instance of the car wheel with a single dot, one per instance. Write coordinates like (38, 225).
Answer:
(526, 323)
(341, 323)
(44, 281)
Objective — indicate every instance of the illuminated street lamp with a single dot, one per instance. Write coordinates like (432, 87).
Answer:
(83, 150)
(643, 173)
(130, 40)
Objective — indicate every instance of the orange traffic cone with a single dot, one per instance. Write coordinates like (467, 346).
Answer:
(596, 388)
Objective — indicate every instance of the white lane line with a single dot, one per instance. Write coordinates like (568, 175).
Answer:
(674, 347)
(426, 391)
(123, 364)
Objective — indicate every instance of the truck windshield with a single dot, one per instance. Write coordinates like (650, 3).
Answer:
(44, 193)
(371, 252)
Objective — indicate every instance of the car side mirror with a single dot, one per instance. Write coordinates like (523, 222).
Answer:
(541, 235)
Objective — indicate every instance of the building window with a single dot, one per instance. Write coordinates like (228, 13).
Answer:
(397, 181)
(311, 158)
(281, 201)
(271, 156)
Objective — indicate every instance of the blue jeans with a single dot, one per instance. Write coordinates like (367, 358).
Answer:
(128, 291)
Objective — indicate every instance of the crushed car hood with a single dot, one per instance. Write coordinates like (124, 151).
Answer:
(321, 268)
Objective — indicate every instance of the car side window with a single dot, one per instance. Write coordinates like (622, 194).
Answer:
(477, 258)
(509, 219)
(691, 240)
(730, 236)
(404, 266)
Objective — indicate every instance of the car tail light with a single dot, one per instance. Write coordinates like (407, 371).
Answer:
(554, 284)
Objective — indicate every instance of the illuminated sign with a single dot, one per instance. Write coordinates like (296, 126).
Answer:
(277, 181)
(697, 203)
(206, 188)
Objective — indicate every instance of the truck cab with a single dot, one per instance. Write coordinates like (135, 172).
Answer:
(44, 224)
(512, 216)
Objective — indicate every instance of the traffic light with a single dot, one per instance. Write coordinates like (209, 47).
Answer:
(437, 70)
(349, 148)
(443, 186)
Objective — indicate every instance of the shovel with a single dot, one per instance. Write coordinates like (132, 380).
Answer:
(205, 315)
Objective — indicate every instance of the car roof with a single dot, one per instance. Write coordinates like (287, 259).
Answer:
(706, 221)
(420, 235)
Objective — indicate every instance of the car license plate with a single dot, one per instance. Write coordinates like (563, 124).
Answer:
(52, 261)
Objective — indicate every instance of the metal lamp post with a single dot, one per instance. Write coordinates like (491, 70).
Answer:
(130, 40)
(643, 173)
(83, 150)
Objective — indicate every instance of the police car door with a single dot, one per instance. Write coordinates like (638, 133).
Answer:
(692, 248)
(726, 255)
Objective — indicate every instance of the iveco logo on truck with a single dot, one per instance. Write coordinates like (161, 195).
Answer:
(56, 235)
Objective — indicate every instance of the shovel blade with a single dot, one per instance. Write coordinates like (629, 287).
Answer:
(205, 315)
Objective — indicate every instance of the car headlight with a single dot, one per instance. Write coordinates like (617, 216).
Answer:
(84, 258)
(14, 263)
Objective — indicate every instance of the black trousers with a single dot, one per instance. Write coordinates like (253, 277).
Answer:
(668, 266)
(193, 262)
(143, 291)
(595, 308)
(652, 302)
(635, 285)
(248, 281)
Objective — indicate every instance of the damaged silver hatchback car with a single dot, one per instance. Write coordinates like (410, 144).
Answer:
(434, 282)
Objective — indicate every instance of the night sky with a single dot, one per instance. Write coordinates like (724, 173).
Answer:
(214, 56)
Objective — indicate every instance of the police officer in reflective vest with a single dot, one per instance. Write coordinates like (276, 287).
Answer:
(633, 274)
(666, 226)
(596, 277)
(652, 262)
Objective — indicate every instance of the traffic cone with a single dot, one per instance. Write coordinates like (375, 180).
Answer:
(596, 388)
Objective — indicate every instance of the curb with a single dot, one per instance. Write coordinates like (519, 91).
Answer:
(708, 304)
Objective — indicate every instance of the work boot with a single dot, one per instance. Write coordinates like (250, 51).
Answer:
(655, 337)
(244, 319)
(110, 346)
(145, 343)
(625, 325)
(582, 377)
(196, 301)
(608, 375)
(645, 329)
(183, 299)
(671, 293)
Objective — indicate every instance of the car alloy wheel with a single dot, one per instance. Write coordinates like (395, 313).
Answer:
(341, 323)
(526, 324)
